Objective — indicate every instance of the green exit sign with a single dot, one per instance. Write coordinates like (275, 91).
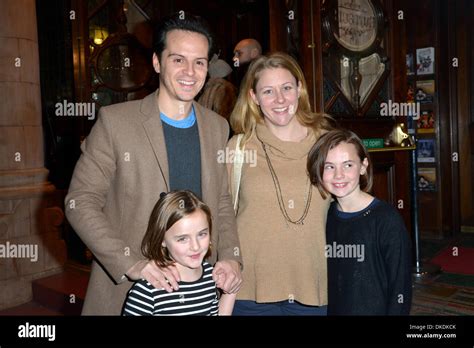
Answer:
(374, 143)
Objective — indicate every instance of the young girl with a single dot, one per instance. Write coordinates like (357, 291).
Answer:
(368, 248)
(179, 233)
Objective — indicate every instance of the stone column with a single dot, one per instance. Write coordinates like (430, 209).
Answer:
(29, 219)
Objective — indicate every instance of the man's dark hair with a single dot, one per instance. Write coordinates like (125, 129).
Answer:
(180, 21)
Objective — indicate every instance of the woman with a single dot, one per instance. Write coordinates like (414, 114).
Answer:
(281, 218)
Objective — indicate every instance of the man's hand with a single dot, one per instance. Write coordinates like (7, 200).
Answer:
(227, 276)
(166, 278)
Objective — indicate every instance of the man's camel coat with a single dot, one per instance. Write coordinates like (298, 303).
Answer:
(117, 181)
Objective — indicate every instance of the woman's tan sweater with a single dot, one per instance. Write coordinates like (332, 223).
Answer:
(282, 261)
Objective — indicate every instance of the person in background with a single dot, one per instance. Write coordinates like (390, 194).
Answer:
(179, 233)
(219, 95)
(246, 51)
(281, 218)
(136, 149)
(368, 246)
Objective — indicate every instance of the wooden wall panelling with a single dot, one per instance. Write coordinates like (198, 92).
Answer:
(396, 46)
(469, 221)
(80, 46)
(391, 175)
(311, 52)
(384, 186)
(396, 43)
(464, 16)
(276, 12)
(471, 61)
(402, 186)
(456, 49)
(449, 180)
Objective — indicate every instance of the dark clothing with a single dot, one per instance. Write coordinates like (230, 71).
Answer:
(184, 158)
(376, 281)
(281, 308)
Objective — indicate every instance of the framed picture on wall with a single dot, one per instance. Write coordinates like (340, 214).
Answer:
(410, 64)
(427, 179)
(425, 60)
(426, 150)
(426, 122)
(425, 90)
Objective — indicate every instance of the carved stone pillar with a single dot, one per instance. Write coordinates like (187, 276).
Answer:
(31, 244)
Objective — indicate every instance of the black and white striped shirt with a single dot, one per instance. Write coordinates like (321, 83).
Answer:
(192, 298)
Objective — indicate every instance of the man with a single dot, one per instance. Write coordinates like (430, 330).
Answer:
(246, 51)
(137, 150)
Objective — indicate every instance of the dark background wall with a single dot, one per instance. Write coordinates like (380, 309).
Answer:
(68, 73)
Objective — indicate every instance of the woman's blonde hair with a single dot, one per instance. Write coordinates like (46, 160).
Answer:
(247, 113)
